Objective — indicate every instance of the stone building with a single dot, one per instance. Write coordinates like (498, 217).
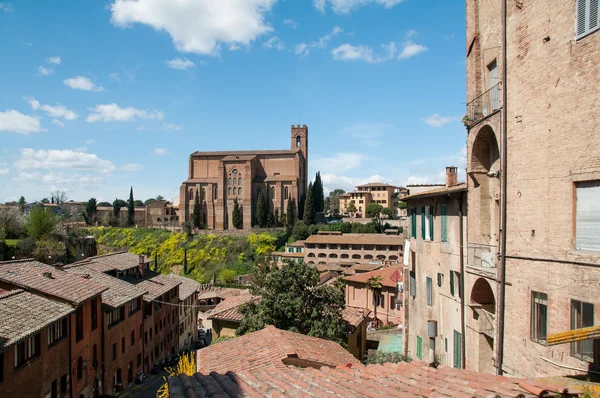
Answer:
(375, 192)
(434, 324)
(221, 177)
(533, 263)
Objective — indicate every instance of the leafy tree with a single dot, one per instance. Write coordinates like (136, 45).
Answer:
(48, 250)
(40, 223)
(58, 197)
(309, 206)
(187, 230)
(90, 213)
(351, 208)
(196, 221)
(22, 204)
(291, 220)
(402, 205)
(291, 299)
(45, 200)
(327, 205)
(12, 221)
(160, 197)
(116, 212)
(334, 200)
(300, 232)
(261, 211)
(374, 284)
(236, 215)
(138, 203)
(380, 357)
(130, 209)
(318, 195)
(378, 212)
(104, 204)
(270, 220)
(227, 275)
(276, 218)
(282, 220)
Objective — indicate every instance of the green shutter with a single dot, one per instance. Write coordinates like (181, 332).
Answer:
(423, 222)
(419, 347)
(413, 223)
(457, 350)
(452, 283)
(444, 233)
(458, 283)
(431, 222)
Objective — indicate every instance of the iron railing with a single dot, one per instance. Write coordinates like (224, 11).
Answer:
(484, 105)
(482, 256)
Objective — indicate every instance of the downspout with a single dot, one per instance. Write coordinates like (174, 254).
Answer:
(70, 357)
(461, 286)
(503, 175)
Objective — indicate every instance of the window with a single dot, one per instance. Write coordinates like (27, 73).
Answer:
(79, 368)
(423, 223)
(587, 223)
(419, 347)
(234, 181)
(272, 192)
(27, 349)
(240, 191)
(582, 316)
(298, 141)
(286, 194)
(115, 316)
(413, 284)
(444, 232)
(457, 350)
(139, 360)
(57, 331)
(378, 300)
(413, 223)
(235, 191)
(122, 345)
(216, 193)
(191, 194)
(229, 191)
(429, 291)
(54, 393)
(63, 384)
(440, 279)
(427, 220)
(539, 316)
(587, 17)
(134, 305)
(79, 323)
(234, 171)
(114, 351)
(132, 337)
(94, 313)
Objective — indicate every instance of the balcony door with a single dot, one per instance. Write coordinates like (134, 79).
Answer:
(491, 101)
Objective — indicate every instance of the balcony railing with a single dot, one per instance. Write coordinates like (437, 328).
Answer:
(484, 105)
(481, 256)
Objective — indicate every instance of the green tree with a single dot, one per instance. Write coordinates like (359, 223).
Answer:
(104, 204)
(22, 204)
(138, 203)
(351, 208)
(48, 250)
(374, 284)
(334, 200)
(40, 223)
(261, 211)
(270, 220)
(227, 275)
(291, 299)
(236, 215)
(309, 206)
(291, 209)
(45, 200)
(160, 197)
(90, 213)
(130, 209)
(379, 213)
(116, 212)
(196, 222)
(12, 221)
(318, 195)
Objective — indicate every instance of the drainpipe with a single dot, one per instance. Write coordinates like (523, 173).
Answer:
(503, 175)
(462, 277)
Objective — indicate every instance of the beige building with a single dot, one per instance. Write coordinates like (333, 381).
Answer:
(376, 192)
(291, 252)
(221, 177)
(533, 251)
(336, 248)
(189, 290)
(434, 325)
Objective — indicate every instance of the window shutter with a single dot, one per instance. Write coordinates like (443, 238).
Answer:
(581, 14)
(593, 15)
(587, 229)
(452, 283)
(444, 228)
(429, 291)
(431, 223)
(413, 284)
(457, 350)
(423, 222)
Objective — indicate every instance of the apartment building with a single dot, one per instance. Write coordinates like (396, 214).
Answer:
(434, 316)
(532, 148)
(376, 192)
(189, 290)
(291, 252)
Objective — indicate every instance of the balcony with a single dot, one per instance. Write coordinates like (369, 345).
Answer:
(483, 106)
(482, 256)
(486, 321)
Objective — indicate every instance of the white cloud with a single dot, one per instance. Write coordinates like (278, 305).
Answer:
(338, 162)
(180, 64)
(6, 7)
(62, 159)
(234, 47)
(4, 172)
(303, 49)
(410, 34)
(436, 120)
(332, 181)
(198, 26)
(171, 127)
(411, 49)
(65, 180)
(45, 71)
(89, 142)
(132, 167)
(291, 23)
(115, 76)
(15, 122)
(112, 112)
(274, 42)
(52, 111)
(348, 52)
(53, 60)
(159, 151)
(58, 123)
(347, 6)
(82, 83)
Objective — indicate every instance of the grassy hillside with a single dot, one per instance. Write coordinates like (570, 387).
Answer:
(206, 254)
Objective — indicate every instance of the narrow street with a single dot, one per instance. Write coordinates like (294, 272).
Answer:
(147, 389)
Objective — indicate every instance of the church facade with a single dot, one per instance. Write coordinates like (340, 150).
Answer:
(220, 177)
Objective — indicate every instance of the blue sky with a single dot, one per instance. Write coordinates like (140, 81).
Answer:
(100, 95)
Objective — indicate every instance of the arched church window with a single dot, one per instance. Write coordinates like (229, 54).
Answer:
(287, 193)
(235, 181)
(229, 181)
(272, 192)
(234, 191)
(298, 141)
(240, 191)
(191, 194)
(239, 181)
(229, 190)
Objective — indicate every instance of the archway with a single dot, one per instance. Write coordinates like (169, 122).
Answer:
(483, 303)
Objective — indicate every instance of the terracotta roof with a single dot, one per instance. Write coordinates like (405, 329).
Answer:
(243, 153)
(219, 292)
(298, 243)
(389, 276)
(269, 348)
(435, 192)
(365, 239)
(228, 309)
(377, 184)
(119, 261)
(366, 267)
(286, 254)
(23, 314)
(354, 316)
(153, 283)
(33, 275)
(188, 286)
(119, 292)
(405, 379)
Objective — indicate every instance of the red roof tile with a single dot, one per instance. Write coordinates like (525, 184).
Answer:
(389, 276)
(228, 309)
(354, 316)
(269, 348)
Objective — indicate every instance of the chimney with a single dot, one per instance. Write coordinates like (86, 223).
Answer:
(451, 176)
(48, 275)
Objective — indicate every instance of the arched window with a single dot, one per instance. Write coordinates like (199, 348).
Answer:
(235, 191)
(229, 181)
(286, 194)
(235, 181)
(298, 141)
(272, 192)
(234, 171)
(239, 181)
(229, 191)
(203, 194)
(191, 194)
(216, 193)
(240, 191)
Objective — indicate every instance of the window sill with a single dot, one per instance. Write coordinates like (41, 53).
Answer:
(586, 34)
(56, 342)
(588, 360)
(539, 342)
(26, 363)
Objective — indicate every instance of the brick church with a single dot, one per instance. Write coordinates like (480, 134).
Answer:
(220, 177)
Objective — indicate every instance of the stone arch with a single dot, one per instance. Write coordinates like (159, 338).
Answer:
(322, 255)
(311, 255)
(344, 256)
(381, 257)
(393, 258)
(485, 153)
(368, 257)
(298, 141)
(356, 256)
(482, 294)
(333, 255)
(311, 263)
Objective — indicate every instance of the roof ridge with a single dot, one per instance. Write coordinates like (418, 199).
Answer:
(22, 260)
(11, 293)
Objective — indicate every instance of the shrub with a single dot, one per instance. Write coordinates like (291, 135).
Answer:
(379, 357)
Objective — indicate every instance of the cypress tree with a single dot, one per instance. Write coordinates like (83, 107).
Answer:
(196, 212)
(116, 209)
(130, 209)
(291, 219)
(261, 211)
(236, 216)
(309, 206)
(318, 195)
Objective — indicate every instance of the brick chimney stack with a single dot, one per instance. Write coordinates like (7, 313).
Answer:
(451, 176)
